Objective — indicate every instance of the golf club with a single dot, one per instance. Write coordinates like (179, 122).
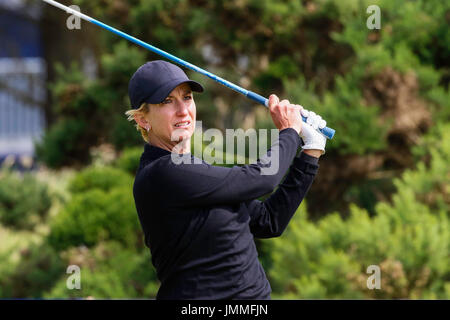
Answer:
(327, 132)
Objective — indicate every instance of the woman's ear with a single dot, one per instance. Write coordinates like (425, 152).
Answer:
(142, 121)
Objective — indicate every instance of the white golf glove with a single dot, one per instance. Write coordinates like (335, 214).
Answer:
(312, 138)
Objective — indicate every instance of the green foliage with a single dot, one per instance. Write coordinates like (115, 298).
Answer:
(118, 67)
(123, 61)
(24, 201)
(60, 143)
(123, 134)
(103, 178)
(359, 130)
(431, 184)
(90, 111)
(329, 260)
(39, 267)
(129, 159)
(109, 270)
(101, 208)
(93, 216)
(409, 239)
(78, 107)
(282, 68)
(12, 243)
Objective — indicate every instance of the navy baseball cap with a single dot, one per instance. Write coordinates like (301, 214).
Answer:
(154, 81)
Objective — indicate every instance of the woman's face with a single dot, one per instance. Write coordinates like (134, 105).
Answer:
(173, 120)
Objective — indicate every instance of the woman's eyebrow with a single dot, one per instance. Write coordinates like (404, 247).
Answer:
(185, 92)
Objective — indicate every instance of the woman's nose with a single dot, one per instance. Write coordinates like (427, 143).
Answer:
(182, 107)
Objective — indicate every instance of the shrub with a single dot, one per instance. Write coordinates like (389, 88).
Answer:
(102, 178)
(60, 147)
(358, 129)
(109, 270)
(24, 201)
(96, 215)
(431, 184)
(39, 267)
(101, 208)
(90, 112)
(129, 159)
(408, 239)
(329, 259)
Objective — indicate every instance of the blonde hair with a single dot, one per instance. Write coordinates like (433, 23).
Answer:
(143, 109)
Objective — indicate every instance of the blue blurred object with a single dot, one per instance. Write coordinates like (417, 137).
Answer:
(22, 82)
(20, 35)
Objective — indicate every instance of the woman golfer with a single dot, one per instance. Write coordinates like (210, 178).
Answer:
(200, 220)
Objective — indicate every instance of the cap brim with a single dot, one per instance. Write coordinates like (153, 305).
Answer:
(167, 88)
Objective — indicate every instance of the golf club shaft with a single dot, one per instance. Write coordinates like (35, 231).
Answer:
(327, 132)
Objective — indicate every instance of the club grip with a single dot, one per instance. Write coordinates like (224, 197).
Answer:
(326, 131)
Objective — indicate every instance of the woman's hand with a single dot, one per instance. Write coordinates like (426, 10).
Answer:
(287, 115)
(314, 140)
(284, 114)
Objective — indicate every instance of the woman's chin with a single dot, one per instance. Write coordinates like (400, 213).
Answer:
(182, 145)
(179, 135)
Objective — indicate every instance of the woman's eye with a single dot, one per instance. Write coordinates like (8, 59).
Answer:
(167, 101)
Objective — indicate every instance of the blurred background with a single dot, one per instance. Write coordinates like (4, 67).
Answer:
(68, 155)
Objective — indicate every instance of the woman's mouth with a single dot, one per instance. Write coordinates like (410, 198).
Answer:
(184, 124)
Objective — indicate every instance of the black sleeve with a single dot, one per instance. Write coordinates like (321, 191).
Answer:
(270, 218)
(203, 184)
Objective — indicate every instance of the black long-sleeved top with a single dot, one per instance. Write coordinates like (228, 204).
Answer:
(200, 220)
